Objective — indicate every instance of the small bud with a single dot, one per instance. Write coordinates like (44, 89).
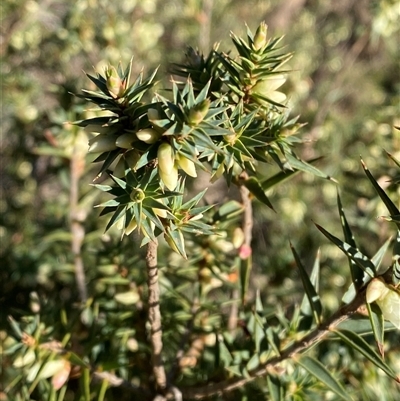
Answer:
(137, 195)
(51, 368)
(170, 179)
(102, 143)
(148, 135)
(387, 298)
(126, 140)
(114, 83)
(237, 237)
(24, 360)
(245, 252)
(376, 290)
(260, 38)
(60, 378)
(230, 138)
(267, 88)
(198, 112)
(166, 159)
(186, 165)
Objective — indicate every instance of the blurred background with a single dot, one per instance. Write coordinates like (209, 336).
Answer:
(344, 85)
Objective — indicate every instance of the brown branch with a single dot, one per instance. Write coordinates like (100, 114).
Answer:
(314, 337)
(247, 227)
(155, 315)
(77, 165)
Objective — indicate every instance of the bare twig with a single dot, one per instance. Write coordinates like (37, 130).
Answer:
(314, 337)
(247, 227)
(155, 315)
(77, 165)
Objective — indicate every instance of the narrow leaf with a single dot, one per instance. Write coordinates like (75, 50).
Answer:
(319, 371)
(254, 186)
(386, 200)
(377, 324)
(245, 269)
(312, 295)
(357, 273)
(378, 257)
(306, 167)
(362, 261)
(359, 344)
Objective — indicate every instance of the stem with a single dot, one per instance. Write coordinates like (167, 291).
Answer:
(314, 337)
(247, 227)
(155, 315)
(77, 165)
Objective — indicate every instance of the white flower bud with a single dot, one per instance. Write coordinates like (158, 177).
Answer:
(186, 165)
(102, 143)
(148, 135)
(387, 298)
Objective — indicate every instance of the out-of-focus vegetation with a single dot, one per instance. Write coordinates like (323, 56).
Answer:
(345, 86)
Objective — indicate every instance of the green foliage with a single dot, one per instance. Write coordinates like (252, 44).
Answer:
(235, 312)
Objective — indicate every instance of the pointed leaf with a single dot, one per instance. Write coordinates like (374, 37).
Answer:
(306, 167)
(312, 295)
(356, 273)
(386, 200)
(377, 324)
(254, 186)
(378, 257)
(305, 307)
(245, 269)
(362, 261)
(319, 371)
(359, 344)
(396, 260)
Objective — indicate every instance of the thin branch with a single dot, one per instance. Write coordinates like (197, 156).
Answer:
(77, 165)
(155, 315)
(247, 227)
(314, 337)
